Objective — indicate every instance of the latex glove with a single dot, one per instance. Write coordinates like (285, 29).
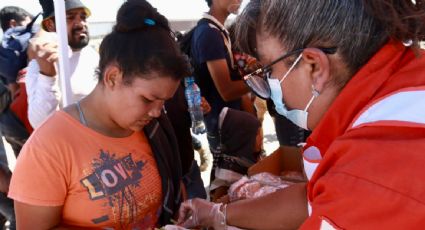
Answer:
(201, 213)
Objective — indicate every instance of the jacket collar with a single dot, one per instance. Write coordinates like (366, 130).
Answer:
(367, 84)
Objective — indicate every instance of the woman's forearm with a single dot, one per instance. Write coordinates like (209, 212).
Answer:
(283, 209)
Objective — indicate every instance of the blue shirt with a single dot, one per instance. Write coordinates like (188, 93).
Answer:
(208, 45)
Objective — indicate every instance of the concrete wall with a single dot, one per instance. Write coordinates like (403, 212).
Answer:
(100, 29)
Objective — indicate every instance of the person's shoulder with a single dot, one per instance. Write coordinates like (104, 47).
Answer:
(206, 34)
(205, 27)
(56, 126)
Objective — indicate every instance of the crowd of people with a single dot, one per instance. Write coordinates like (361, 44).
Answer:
(341, 79)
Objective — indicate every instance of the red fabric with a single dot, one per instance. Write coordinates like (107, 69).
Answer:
(19, 105)
(370, 177)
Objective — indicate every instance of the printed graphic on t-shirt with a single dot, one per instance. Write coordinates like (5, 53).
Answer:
(115, 180)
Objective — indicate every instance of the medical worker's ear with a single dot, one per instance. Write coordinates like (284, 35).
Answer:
(112, 76)
(319, 67)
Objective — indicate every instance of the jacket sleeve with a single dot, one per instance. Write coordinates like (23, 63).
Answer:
(165, 149)
(43, 94)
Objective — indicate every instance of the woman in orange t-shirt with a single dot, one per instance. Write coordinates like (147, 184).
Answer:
(109, 161)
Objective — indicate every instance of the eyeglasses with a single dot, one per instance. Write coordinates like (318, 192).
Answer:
(257, 80)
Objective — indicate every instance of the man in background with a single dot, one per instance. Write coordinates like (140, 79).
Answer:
(42, 77)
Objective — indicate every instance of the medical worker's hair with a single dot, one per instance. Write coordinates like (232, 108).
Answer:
(358, 28)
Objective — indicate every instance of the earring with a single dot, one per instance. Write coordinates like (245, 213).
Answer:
(314, 92)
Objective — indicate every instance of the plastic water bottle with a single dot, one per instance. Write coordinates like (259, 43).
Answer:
(193, 97)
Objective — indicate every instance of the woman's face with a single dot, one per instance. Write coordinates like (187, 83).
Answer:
(132, 106)
(297, 87)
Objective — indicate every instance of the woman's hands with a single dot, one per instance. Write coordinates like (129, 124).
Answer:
(201, 213)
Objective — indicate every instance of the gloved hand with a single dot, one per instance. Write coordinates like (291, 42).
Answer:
(201, 213)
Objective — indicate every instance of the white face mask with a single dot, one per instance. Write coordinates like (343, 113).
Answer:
(298, 117)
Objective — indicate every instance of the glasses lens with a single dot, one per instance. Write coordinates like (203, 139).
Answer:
(258, 85)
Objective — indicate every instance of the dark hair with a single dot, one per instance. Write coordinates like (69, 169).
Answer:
(209, 2)
(12, 13)
(231, 28)
(358, 28)
(141, 42)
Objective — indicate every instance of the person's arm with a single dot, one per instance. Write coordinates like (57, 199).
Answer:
(42, 89)
(40, 217)
(43, 94)
(283, 209)
(228, 89)
(5, 175)
(37, 217)
(210, 49)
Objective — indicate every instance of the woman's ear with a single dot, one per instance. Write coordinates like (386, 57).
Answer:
(320, 69)
(112, 76)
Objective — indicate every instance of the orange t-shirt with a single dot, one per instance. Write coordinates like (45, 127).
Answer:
(100, 181)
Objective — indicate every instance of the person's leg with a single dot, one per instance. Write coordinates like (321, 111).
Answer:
(215, 148)
(194, 184)
(7, 210)
(214, 142)
(15, 134)
(3, 160)
(203, 154)
(196, 143)
(3, 156)
(6, 204)
(13, 130)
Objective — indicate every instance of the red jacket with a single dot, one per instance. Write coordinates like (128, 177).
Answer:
(19, 105)
(367, 155)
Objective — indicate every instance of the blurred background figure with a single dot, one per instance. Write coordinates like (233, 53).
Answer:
(17, 26)
(212, 59)
(44, 96)
(241, 142)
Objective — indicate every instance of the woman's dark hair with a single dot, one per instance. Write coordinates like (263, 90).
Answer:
(209, 2)
(358, 28)
(141, 42)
